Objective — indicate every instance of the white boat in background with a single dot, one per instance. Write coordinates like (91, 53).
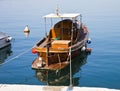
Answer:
(5, 40)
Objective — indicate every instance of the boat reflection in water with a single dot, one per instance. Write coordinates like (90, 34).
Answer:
(62, 77)
(4, 53)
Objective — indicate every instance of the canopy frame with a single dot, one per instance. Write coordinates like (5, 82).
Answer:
(65, 15)
(51, 16)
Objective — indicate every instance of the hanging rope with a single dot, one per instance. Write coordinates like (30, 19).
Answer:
(16, 57)
(59, 59)
(71, 84)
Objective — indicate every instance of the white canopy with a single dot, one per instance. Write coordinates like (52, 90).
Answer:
(68, 15)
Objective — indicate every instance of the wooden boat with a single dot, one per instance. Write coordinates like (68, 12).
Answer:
(5, 40)
(64, 41)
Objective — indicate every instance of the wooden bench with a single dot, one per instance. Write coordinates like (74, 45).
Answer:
(57, 44)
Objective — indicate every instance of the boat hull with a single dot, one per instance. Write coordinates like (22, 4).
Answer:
(56, 61)
(64, 42)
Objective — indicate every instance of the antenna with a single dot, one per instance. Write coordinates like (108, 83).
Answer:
(80, 18)
(57, 10)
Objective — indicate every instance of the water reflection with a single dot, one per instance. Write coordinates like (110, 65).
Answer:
(27, 33)
(4, 53)
(62, 77)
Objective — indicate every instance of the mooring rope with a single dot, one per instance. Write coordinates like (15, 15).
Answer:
(16, 56)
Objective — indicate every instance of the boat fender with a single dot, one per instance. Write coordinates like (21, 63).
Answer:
(40, 58)
(89, 41)
(83, 48)
(34, 51)
(89, 50)
(8, 39)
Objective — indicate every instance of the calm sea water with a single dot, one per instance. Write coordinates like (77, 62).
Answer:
(100, 69)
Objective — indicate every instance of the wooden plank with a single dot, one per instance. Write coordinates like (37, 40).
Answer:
(52, 50)
(63, 44)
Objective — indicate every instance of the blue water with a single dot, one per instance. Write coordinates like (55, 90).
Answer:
(102, 68)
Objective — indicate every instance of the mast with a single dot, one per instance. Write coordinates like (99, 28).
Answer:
(57, 11)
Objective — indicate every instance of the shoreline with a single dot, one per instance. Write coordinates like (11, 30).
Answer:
(17, 87)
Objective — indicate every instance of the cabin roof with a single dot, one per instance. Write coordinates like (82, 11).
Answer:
(68, 15)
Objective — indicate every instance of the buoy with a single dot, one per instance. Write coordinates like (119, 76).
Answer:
(26, 29)
(89, 41)
(34, 50)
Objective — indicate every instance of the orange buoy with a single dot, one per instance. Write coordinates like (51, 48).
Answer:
(34, 51)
